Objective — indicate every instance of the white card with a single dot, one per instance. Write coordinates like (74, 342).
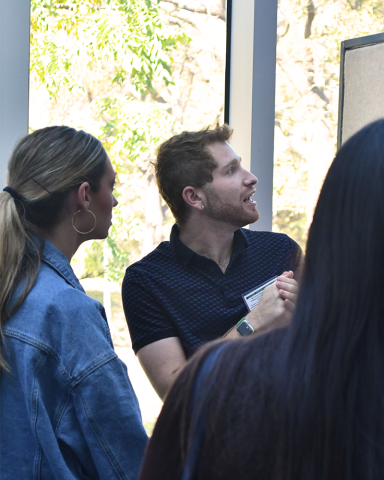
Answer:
(252, 298)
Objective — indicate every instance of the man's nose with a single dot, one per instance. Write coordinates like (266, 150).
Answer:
(250, 179)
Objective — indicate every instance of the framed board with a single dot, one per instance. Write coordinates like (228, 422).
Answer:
(361, 90)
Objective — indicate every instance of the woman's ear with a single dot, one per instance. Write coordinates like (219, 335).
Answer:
(193, 197)
(83, 196)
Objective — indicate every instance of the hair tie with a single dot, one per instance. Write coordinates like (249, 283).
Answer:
(13, 193)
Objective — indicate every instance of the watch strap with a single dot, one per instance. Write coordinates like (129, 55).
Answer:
(244, 328)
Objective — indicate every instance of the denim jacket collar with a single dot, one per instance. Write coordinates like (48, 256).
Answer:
(59, 262)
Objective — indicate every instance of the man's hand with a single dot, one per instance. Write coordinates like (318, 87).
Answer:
(270, 313)
(275, 308)
(288, 289)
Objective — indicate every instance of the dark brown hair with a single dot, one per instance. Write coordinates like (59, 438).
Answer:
(184, 160)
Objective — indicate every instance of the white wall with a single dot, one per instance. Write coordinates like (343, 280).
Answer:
(252, 95)
(14, 76)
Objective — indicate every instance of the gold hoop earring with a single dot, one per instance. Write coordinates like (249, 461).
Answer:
(78, 231)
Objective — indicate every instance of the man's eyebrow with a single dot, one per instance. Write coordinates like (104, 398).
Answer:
(232, 162)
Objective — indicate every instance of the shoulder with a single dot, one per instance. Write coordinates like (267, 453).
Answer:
(274, 244)
(160, 259)
(62, 321)
(53, 292)
(268, 239)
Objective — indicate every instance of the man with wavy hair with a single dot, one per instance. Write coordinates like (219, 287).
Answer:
(206, 281)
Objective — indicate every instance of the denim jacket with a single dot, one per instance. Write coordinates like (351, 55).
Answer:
(67, 407)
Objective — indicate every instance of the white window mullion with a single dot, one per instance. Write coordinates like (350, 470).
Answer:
(14, 76)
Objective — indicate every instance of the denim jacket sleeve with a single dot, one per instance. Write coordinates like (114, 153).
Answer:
(102, 400)
(109, 417)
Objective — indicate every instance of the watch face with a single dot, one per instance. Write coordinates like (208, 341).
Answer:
(245, 328)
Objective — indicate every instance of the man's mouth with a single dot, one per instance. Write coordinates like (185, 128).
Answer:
(249, 199)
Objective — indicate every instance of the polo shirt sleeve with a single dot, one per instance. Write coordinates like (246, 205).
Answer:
(147, 320)
(295, 256)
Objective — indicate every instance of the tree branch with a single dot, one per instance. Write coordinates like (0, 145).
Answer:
(172, 15)
(311, 15)
(156, 96)
(320, 92)
(311, 82)
(58, 7)
(220, 13)
(356, 4)
(288, 76)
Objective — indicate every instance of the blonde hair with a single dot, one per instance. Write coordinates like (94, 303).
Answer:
(44, 167)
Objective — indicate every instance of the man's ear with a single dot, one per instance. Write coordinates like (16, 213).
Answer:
(193, 197)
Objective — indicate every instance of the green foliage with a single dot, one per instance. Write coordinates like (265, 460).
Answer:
(93, 264)
(105, 59)
(133, 128)
(126, 39)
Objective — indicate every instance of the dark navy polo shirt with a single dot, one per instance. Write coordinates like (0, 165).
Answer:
(174, 292)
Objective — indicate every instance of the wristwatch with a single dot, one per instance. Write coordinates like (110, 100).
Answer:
(244, 327)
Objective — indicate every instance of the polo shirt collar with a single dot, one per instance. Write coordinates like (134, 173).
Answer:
(184, 254)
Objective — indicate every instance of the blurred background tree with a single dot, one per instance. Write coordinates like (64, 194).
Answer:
(132, 74)
(97, 65)
(307, 88)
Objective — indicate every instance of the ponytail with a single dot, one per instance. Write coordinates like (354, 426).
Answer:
(14, 243)
(44, 167)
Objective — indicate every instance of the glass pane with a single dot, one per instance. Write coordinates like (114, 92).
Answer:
(307, 87)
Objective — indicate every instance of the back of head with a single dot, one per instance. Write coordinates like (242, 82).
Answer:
(341, 284)
(183, 161)
(333, 376)
(44, 167)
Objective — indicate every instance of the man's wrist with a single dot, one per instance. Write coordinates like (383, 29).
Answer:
(254, 320)
(233, 333)
(244, 328)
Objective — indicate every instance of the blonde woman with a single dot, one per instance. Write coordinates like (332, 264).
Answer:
(68, 410)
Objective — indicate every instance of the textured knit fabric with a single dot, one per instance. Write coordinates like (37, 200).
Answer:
(67, 408)
(174, 292)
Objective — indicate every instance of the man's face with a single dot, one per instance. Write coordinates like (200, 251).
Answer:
(228, 196)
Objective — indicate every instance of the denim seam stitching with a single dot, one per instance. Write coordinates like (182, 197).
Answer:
(40, 346)
(81, 375)
(101, 440)
(34, 406)
(72, 387)
(107, 357)
(61, 412)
